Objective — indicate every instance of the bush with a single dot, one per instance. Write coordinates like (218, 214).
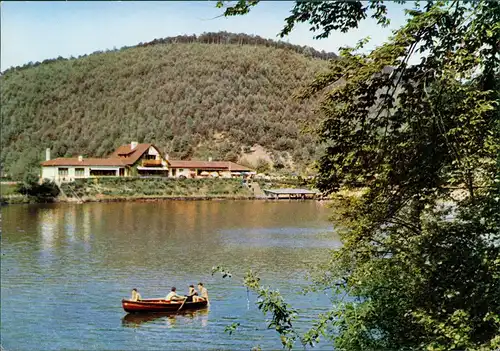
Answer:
(262, 165)
(45, 192)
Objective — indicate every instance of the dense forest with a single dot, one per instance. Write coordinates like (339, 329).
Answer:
(216, 95)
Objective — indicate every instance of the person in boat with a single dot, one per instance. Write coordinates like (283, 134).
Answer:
(203, 291)
(135, 295)
(173, 296)
(192, 294)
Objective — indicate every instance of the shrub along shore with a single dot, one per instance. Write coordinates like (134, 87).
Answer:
(137, 189)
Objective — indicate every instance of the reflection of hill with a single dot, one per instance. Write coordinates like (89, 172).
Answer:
(168, 239)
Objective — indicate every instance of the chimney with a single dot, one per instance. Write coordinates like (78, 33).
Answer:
(47, 154)
(133, 145)
(167, 157)
(209, 159)
(80, 158)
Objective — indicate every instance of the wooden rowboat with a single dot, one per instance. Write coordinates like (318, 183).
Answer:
(160, 305)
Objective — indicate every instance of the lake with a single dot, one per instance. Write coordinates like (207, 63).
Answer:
(66, 267)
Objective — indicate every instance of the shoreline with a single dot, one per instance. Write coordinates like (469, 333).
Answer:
(149, 190)
(73, 200)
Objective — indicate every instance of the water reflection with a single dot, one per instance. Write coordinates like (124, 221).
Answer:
(70, 224)
(47, 222)
(134, 320)
(86, 228)
(79, 260)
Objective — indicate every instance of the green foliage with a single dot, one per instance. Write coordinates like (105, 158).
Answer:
(230, 329)
(415, 136)
(420, 264)
(322, 16)
(178, 93)
(262, 166)
(28, 165)
(224, 271)
(45, 192)
(155, 187)
(8, 189)
(271, 301)
(242, 7)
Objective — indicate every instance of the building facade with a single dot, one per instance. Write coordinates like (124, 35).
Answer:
(69, 169)
(208, 169)
(133, 159)
(137, 160)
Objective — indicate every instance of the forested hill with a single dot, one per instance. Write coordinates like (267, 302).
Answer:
(190, 98)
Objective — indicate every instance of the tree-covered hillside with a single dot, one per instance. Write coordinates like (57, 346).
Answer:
(192, 99)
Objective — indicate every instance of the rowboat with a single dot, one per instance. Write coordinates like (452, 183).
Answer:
(160, 305)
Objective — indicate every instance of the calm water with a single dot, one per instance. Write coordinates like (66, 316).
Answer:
(65, 269)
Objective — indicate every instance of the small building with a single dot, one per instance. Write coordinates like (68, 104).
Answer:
(133, 159)
(208, 169)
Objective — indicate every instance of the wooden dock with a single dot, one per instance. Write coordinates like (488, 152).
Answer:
(301, 194)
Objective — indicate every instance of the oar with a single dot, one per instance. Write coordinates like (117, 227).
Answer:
(182, 305)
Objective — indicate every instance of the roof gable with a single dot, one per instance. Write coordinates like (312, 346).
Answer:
(129, 155)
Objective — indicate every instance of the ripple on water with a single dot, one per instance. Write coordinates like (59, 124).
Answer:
(65, 273)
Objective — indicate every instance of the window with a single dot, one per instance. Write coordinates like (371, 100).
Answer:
(79, 172)
(103, 173)
(150, 157)
(181, 169)
(63, 172)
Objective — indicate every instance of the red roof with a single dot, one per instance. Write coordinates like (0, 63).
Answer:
(238, 168)
(123, 156)
(84, 162)
(209, 165)
(129, 155)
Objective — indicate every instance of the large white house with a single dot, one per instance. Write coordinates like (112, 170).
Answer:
(133, 159)
(136, 159)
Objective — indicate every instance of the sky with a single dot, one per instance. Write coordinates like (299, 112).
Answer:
(39, 30)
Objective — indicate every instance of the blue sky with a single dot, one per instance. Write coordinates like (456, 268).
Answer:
(34, 31)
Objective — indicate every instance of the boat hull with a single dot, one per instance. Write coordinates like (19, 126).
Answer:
(160, 305)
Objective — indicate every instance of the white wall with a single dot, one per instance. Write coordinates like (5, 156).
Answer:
(52, 172)
(186, 172)
(153, 151)
(49, 173)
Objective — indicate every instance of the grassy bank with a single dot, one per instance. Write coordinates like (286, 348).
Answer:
(104, 189)
(143, 189)
(8, 188)
(9, 194)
